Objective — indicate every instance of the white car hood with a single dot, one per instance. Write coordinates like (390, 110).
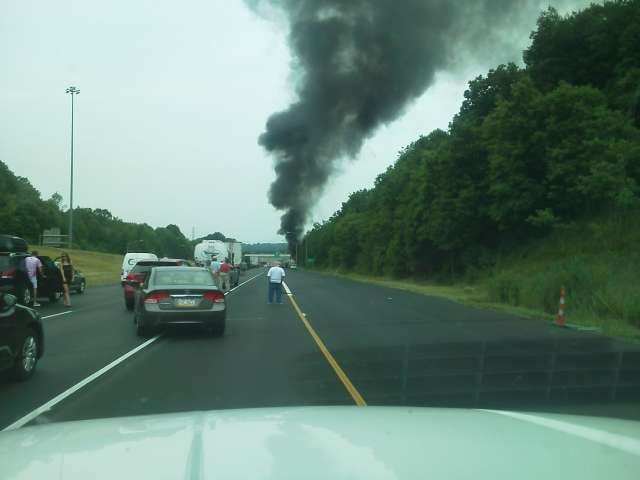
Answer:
(326, 443)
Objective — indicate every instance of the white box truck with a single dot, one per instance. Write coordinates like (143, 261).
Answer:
(234, 255)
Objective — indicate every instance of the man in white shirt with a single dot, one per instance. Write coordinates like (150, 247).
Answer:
(34, 265)
(275, 276)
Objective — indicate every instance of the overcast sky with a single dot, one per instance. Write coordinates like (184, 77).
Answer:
(173, 98)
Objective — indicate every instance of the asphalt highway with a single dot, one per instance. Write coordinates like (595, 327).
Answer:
(332, 342)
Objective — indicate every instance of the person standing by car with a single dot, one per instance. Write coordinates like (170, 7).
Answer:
(225, 278)
(215, 269)
(66, 268)
(33, 266)
(275, 276)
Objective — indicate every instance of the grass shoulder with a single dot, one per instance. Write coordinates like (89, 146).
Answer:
(479, 295)
(98, 268)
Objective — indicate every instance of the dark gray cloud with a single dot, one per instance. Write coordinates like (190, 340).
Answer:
(359, 64)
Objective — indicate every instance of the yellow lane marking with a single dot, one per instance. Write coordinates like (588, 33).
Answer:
(327, 354)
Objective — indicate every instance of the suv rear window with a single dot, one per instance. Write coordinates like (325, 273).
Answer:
(146, 266)
(5, 261)
(12, 244)
(9, 261)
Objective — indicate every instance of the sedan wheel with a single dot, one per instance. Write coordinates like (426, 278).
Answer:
(26, 363)
(82, 286)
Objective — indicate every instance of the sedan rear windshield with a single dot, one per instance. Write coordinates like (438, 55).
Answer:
(194, 277)
(145, 267)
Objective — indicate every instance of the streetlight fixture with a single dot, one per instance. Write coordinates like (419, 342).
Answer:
(73, 91)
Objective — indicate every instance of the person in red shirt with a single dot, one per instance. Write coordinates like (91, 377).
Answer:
(225, 270)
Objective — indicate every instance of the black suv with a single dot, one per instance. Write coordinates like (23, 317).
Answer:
(9, 243)
(14, 278)
(21, 338)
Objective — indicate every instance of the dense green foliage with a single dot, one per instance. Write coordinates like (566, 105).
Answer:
(531, 149)
(24, 213)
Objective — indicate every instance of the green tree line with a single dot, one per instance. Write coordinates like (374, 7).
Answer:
(24, 213)
(530, 149)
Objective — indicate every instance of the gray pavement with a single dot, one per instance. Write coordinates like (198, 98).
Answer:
(396, 348)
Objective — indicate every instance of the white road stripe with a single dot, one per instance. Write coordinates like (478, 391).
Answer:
(286, 288)
(613, 440)
(57, 399)
(243, 283)
(56, 314)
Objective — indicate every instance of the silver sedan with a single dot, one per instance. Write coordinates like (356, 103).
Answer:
(179, 295)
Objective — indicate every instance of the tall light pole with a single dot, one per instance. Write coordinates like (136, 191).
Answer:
(73, 91)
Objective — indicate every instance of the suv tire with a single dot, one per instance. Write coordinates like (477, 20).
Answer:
(27, 359)
(25, 295)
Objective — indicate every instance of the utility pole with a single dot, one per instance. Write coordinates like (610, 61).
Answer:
(73, 91)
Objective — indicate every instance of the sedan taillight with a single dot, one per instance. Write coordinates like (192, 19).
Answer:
(156, 297)
(214, 296)
(8, 274)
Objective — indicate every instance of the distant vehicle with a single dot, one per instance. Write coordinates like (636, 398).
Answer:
(21, 338)
(293, 266)
(234, 254)
(130, 259)
(9, 243)
(205, 250)
(179, 296)
(183, 262)
(137, 276)
(14, 278)
(79, 282)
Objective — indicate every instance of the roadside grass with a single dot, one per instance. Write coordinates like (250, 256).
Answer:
(597, 262)
(98, 268)
(467, 294)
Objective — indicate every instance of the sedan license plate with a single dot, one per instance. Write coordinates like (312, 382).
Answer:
(185, 302)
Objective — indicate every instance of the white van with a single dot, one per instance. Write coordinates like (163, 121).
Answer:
(130, 259)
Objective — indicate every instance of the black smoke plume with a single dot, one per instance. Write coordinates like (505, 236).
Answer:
(360, 63)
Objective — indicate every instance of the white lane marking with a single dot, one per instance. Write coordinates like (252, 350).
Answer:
(57, 399)
(286, 288)
(243, 283)
(613, 440)
(56, 314)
